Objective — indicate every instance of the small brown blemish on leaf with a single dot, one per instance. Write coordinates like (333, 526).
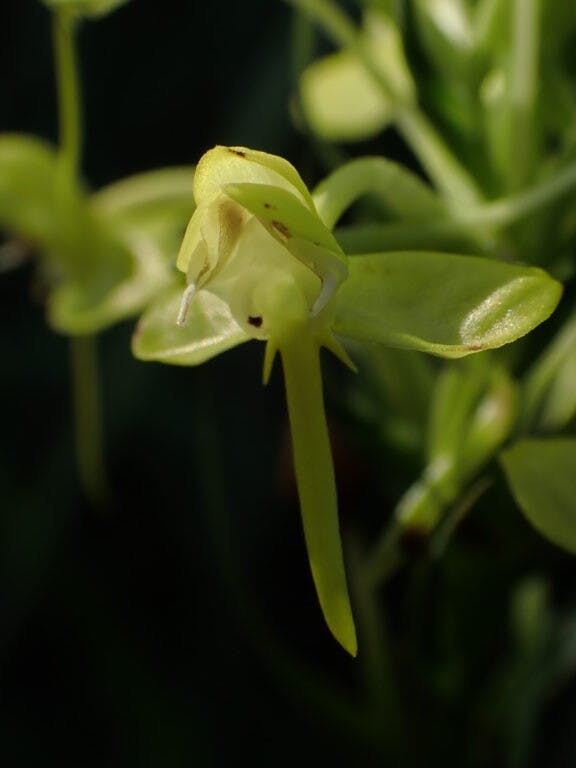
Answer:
(475, 347)
(269, 206)
(236, 152)
(282, 230)
(255, 321)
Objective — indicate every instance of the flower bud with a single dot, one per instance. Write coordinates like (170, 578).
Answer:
(257, 242)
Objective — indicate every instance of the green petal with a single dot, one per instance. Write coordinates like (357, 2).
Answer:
(442, 303)
(281, 207)
(240, 165)
(542, 477)
(209, 330)
(27, 182)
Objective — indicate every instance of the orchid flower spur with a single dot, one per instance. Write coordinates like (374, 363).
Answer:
(261, 263)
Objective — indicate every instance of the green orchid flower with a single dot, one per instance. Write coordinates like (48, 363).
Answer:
(261, 263)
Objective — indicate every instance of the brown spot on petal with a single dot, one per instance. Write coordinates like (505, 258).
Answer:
(475, 347)
(255, 321)
(236, 152)
(282, 229)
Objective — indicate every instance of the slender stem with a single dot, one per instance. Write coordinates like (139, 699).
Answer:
(384, 702)
(68, 93)
(88, 419)
(83, 349)
(540, 377)
(316, 483)
(451, 178)
(500, 213)
(397, 188)
(523, 90)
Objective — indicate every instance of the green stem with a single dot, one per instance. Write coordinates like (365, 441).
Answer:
(451, 178)
(316, 484)
(69, 117)
(523, 74)
(384, 703)
(540, 377)
(83, 350)
(395, 187)
(87, 419)
(498, 214)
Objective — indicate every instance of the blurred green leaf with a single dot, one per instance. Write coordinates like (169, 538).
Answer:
(122, 273)
(442, 303)
(95, 8)
(27, 187)
(209, 330)
(129, 238)
(163, 196)
(542, 477)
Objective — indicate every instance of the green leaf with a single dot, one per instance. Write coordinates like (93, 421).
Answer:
(542, 477)
(441, 303)
(27, 183)
(164, 195)
(95, 8)
(119, 275)
(210, 329)
(130, 235)
(156, 205)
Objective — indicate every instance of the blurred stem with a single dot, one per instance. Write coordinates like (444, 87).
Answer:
(384, 703)
(450, 177)
(497, 214)
(525, 49)
(88, 419)
(541, 376)
(302, 46)
(436, 157)
(83, 349)
(68, 93)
